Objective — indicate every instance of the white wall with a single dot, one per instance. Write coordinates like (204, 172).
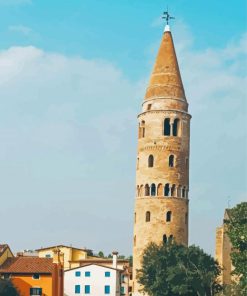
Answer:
(97, 281)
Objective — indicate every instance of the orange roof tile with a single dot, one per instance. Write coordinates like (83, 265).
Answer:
(27, 265)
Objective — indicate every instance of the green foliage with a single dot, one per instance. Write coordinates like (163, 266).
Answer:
(7, 288)
(101, 254)
(237, 232)
(172, 270)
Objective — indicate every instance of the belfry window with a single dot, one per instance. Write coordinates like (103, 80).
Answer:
(183, 192)
(164, 239)
(167, 127)
(170, 239)
(168, 216)
(173, 190)
(153, 190)
(148, 216)
(171, 161)
(147, 190)
(175, 127)
(167, 190)
(150, 161)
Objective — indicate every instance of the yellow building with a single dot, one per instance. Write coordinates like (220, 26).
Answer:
(5, 253)
(162, 171)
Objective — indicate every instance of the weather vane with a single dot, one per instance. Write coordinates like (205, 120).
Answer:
(167, 16)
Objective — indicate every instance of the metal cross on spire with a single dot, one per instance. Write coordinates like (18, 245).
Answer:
(167, 16)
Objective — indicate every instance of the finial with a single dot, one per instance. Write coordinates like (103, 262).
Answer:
(167, 17)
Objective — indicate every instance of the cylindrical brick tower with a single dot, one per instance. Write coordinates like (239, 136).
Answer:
(162, 172)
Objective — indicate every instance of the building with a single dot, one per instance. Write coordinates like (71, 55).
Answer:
(68, 254)
(34, 275)
(5, 253)
(223, 250)
(162, 170)
(95, 279)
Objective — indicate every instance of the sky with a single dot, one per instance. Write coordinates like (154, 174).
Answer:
(72, 79)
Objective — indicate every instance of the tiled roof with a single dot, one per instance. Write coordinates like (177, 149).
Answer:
(27, 265)
(60, 246)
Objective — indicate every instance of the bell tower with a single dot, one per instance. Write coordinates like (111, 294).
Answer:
(162, 170)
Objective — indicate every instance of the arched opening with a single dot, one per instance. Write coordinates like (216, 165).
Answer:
(159, 190)
(137, 190)
(168, 216)
(186, 218)
(170, 238)
(135, 240)
(175, 131)
(142, 129)
(164, 239)
(148, 216)
(179, 191)
(173, 190)
(167, 190)
(167, 127)
(141, 190)
(153, 189)
(150, 161)
(171, 161)
(147, 190)
(183, 192)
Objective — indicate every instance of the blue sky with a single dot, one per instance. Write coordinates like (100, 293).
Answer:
(72, 79)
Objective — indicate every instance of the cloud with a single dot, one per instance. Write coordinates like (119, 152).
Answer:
(20, 29)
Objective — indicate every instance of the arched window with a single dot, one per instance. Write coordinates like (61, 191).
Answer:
(141, 190)
(173, 190)
(135, 240)
(170, 238)
(175, 131)
(160, 190)
(179, 191)
(150, 161)
(137, 190)
(167, 127)
(168, 216)
(167, 190)
(153, 190)
(164, 239)
(142, 129)
(147, 189)
(171, 161)
(148, 216)
(186, 218)
(183, 192)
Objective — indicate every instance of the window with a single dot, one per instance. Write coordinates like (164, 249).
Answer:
(171, 161)
(153, 190)
(87, 273)
(168, 216)
(142, 129)
(166, 190)
(183, 192)
(150, 161)
(170, 238)
(107, 289)
(164, 239)
(77, 273)
(149, 106)
(148, 216)
(160, 190)
(87, 289)
(135, 240)
(36, 276)
(35, 291)
(186, 218)
(175, 127)
(77, 289)
(167, 127)
(147, 190)
(122, 290)
(107, 274)
(47, 256)
(173, 189)
(186, 163)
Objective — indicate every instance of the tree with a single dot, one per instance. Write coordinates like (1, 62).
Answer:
(171, 270)
(7, 288)
(101, 254)
(237, 232)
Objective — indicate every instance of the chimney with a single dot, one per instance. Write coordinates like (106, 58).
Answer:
(114, 259)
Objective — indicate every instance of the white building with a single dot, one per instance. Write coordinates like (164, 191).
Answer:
(93, 280)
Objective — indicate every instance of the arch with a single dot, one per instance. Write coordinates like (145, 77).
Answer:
(170, 239)
(164, 239)
(148, 216)
(176, 125)
(150, 161)
(159, 190)
(183, 192)
(137, 190)
(167, 127)
(147, 190)
(179, 188)
(171, 161)
(167, 189)
(169, 216)
(153, 190)
(173, 190)
(142, 129)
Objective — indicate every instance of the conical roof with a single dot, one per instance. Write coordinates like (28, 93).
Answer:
(165, 81)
